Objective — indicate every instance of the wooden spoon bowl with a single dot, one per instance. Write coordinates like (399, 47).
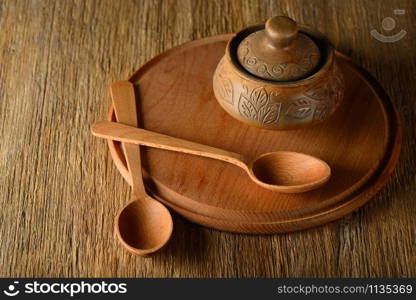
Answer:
(144, 224)
(295, 171)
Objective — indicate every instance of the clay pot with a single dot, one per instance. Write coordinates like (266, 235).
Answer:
(279, 76)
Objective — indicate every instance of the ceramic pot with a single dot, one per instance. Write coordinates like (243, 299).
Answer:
(279, 76)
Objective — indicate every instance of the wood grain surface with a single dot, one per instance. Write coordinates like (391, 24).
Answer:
(59, 190)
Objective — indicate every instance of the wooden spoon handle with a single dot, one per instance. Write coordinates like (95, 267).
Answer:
(124, 101)
(128, 134)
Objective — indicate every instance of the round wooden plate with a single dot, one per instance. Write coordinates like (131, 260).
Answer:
(360, 142)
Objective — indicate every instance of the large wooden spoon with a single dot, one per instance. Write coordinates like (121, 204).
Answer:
(144, 225)
(281, 171)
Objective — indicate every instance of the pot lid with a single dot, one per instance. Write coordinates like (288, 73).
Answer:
(279, 52)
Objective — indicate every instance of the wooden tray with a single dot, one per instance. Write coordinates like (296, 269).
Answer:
(360, 142)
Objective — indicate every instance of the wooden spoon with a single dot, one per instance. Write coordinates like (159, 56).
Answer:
(281, 171)
(144, 225)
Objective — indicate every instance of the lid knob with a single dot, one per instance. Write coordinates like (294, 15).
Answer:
(281, 31)
(280, 52)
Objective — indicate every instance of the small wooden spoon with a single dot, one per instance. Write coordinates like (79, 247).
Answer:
(144, 225)
(281, 171)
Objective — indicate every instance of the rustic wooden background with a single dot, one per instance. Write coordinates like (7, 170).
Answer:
(59, 190)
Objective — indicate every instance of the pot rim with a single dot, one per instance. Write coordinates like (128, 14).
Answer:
(325, 47)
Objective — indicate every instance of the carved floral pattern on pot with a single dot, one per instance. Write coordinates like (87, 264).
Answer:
(224, 85)
(313, 105)
(308, 109)
(331, 90)
(257, 106)
(225, 89)
(300, 109)
(321, 111)
(318, 101)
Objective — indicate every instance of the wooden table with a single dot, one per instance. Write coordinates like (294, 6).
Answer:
(59, 190)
